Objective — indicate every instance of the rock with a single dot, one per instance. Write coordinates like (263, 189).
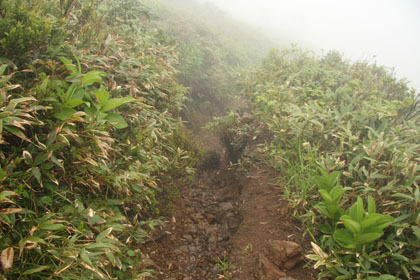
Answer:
(201, 226)
(223, 235)
(211, 228)
(211, 219)
(192, 229)
(266, 270)
(193, 249)
(284, 254)
(233, 221)
(197, 217)
(184, 248)
(226, 206)
(213, 238)
(187, 237)
(220, 217)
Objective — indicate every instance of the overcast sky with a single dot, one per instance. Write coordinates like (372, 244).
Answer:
(386, 29)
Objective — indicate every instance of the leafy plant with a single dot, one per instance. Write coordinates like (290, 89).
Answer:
(90, 145)
(331, 194)
(226, 267)
(349, 119)
(361, 228)
(23, 28)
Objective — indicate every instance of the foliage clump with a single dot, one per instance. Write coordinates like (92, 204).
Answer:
(23, 28)
(211, 46)
(350, 119)
(90, 143)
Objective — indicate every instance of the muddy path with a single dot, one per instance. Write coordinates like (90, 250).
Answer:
(228, 225)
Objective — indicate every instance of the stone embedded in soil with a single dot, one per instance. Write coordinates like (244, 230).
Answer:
(266, 270)
(211, 219)
(192, 228)
(187, 237)
(284, 254)
(226, 206)
(184, 248)
(233, 221)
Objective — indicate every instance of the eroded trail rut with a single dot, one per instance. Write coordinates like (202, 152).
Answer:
(228, 226)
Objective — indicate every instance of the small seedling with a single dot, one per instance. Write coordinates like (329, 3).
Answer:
(248, 249)
(225, 266)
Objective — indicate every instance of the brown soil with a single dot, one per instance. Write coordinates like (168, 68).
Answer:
(225, 217)
(264, 220)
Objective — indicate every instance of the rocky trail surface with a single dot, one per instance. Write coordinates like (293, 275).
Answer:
(228, 225)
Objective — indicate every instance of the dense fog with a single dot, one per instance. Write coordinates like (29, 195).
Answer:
(387, 31)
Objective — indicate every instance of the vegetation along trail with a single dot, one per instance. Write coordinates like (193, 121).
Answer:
(147, 139)
(228, 225)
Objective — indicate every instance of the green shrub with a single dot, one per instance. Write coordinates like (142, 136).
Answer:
(23, 29)
(354, 119)
(89, 145)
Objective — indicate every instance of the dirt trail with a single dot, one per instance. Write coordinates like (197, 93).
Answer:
(265, 221)
(225, 226)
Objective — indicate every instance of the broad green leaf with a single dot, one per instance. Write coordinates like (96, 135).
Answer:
(41, 158)
(131, 253)
(104, 234)
(116, 102)
(351, 225)
(68, 64)
(37, 173)
(102, 245)
(5, 194)
(52, 227)
(56, 162)
(323, 209)
(92, 77)
(3, 68)
(343, 277)
(27, 157)
(35, 270)
(336, 193)
(403, 196)
(344, 238)
(2, 173)
(12, 104)
(416, 231)
(63, 139)
(36, 239)
(118, 262)
(116, 120)
(65, 114)
(416, 193)
(85, 257)
(367, 237)
(327, 229)
(370, 220)
(102, 96)
(401, 257)
(73, 103)
(17, 132)
(384, 221)
(371, 205)
(387, 277)
(111, 257)
(325, 195)
(357, 210)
